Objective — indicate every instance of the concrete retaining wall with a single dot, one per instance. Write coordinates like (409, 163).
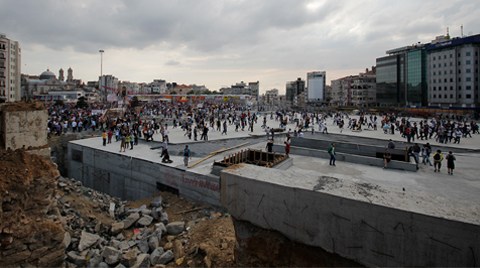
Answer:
(344, 157)
(130, 178)
(370, 234)
(23, 128)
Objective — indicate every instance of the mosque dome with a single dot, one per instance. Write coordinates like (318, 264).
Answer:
(47, 75)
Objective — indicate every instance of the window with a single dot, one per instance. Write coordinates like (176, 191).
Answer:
(459, 63)
(468, 53)
(451, 96)
(468, 62)
(445, 80)
(439, 96)
(459, 88)
(434, 65)
(434, 95)
(468, 87)
(459, 96)
(468, 79)
(444, 56)
(451, 80)
(469, 71)
(468, 96)
(451, 87)
(433, 57)
(445, 96)
(451, 55)
(434, 73)
(434, 88)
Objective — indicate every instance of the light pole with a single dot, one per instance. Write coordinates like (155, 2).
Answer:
(101, 74)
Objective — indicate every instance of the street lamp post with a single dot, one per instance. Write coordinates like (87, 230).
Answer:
(100, 84)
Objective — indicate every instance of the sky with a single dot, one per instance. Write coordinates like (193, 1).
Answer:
(218, 43)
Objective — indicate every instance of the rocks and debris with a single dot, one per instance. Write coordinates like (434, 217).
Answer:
(107, 232)
(49, 220)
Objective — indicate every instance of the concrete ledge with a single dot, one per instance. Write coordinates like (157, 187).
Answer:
(343, 157)
(371, 234)
(348, 148)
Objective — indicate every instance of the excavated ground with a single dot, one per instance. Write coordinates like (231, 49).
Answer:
(40, 209)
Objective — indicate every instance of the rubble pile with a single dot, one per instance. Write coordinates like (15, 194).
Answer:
(107, 232)
(31, 230)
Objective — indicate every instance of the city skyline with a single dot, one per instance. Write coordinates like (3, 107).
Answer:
(218, 44)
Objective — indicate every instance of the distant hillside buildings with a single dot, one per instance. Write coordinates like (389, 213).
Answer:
(442, 73)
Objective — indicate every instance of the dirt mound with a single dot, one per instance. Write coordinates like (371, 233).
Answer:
(30, 227)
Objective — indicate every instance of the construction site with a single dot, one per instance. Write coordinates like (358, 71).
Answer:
(235, 204)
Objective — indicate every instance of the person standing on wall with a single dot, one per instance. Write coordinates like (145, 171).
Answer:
(269, 146)
(331, 152)
(387, 157)
(186, 155)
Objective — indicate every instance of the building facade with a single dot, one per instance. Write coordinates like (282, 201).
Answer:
(453, 71)
(293, 89)
(355, 90)
(10, 70)
(316, 82)
(251, 89)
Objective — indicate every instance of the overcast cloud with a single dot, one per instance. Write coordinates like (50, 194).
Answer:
(219, 43)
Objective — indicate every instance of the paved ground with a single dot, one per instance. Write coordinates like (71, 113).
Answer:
(439, 194)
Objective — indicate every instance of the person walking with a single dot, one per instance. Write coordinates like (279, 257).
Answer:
(186, 155)
(450, 162)
(437, 160)
(427, 150)
(287, 145)
(104, 138)
(331, 152)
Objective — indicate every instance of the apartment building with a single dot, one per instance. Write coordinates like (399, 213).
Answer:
(10, 69)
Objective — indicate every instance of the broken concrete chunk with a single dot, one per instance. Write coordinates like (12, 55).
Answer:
(145, 220)
(175, 228)
(87, 240)
(130, 220)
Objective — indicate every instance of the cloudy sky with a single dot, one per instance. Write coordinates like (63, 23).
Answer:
(219, 43)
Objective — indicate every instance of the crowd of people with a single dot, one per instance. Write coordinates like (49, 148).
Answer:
(196, 122)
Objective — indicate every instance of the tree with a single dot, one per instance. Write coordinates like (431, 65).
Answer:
(134, 102)
(81, 103)
(59, 103)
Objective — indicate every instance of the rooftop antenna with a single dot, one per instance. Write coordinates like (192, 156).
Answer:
(448, 32)
(461, 30)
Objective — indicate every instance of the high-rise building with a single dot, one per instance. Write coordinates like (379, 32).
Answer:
(254, 88)
(401, 77)
(453, 71)
(293, 89)
(10, 70)
(316, 86)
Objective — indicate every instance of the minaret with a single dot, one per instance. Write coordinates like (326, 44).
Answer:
(60, 75)
(70, 75)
